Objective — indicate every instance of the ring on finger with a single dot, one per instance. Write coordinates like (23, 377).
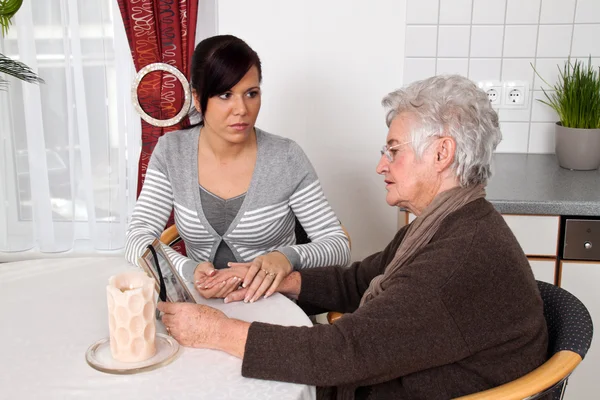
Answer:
(267, 273)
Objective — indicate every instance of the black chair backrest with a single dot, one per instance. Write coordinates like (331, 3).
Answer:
(569, 328)
(569, 323)
(301, 235)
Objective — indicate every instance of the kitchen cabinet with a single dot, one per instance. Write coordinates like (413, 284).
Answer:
(537, 234)
(543, 269)
(581, 278)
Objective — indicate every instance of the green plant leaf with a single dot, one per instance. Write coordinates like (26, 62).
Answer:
(18, 70)
(8, 8)
(576, 95)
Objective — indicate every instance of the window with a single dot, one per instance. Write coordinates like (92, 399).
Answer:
(69, 147)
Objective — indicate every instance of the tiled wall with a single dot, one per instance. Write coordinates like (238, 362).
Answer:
(499, 40)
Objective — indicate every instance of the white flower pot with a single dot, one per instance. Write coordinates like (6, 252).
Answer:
(577, 149)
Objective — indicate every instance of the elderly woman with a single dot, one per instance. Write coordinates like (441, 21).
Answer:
(449, 307)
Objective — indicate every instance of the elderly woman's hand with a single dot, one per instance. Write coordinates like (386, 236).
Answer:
(264, 274)
(200, 326)
(192, 325)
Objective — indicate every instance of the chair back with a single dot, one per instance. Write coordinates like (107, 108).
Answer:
(570, 331)
(569, 323)
(301, 235)
(570, 327)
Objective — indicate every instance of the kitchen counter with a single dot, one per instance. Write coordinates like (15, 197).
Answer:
(535, 184)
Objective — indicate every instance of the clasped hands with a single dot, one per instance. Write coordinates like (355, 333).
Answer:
(246, 281)
(196, 325)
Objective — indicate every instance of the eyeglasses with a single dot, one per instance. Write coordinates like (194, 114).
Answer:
(385, 150)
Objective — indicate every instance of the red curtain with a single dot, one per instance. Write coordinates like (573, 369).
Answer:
(159, 31)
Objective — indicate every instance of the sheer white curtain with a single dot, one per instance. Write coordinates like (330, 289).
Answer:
(69, 147)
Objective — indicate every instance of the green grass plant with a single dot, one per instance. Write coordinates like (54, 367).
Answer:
(576, 95)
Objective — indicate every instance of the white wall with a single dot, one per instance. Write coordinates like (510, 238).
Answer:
(500, 40)
(326, 67)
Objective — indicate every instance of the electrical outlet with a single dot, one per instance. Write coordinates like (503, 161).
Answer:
(494, 95)
(515, 94)
(494, 91)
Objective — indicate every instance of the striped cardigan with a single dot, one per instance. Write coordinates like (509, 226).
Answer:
(283, 185)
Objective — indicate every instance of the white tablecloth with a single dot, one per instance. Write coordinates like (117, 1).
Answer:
(52, 310)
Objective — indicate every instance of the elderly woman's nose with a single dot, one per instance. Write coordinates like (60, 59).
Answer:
(382, 166)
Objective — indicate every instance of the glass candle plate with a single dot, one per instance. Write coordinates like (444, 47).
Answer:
(99, 357)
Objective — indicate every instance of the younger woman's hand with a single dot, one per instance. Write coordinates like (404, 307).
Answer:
(203, 271)
(264, 275)
(222, 289)
(206, 272)
(222, 275)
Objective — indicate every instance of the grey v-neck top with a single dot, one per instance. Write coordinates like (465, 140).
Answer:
(220, 213)
(284, 185)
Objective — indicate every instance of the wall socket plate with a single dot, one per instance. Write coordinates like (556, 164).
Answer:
(494, 92)
(507, 94)
(516, 94)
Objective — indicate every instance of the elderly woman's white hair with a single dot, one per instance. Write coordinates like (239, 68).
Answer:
(451, 105)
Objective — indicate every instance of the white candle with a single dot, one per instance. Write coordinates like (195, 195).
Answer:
(131, 316)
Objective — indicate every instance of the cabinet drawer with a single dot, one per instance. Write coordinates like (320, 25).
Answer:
(537, 235)
(543, 270)
(581, 279)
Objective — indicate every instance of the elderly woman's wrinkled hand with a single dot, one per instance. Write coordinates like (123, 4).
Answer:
(192, 325)
(264, 275)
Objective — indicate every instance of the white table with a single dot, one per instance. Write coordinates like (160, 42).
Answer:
(52, 310)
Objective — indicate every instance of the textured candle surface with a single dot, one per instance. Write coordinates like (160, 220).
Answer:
(131, 321)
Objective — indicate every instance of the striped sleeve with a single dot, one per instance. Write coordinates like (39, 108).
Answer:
(329, 245)
(150, 216)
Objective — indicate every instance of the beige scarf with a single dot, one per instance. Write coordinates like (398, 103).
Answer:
(421, 230)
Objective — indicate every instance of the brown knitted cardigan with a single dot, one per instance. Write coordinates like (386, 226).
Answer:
(463, 316)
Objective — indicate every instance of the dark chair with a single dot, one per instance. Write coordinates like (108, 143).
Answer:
(570, 331)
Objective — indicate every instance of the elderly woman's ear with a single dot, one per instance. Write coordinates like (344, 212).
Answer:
(445, 149)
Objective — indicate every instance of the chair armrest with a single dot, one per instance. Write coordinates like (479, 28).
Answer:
(348, 236)
(333, 316)
(558, 367)
(169, 235)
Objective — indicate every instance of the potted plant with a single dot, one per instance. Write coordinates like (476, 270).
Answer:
(576, 100)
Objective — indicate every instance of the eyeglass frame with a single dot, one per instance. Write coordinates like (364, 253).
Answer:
(385, 150)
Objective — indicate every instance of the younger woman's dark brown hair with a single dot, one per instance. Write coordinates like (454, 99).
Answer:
(218, 64)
